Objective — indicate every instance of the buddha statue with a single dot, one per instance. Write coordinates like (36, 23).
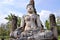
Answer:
(31, 27)
(31, 20)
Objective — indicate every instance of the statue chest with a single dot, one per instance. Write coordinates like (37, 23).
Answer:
(29, 18)
(30, 22)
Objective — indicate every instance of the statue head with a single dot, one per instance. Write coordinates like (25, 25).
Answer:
(30, 8)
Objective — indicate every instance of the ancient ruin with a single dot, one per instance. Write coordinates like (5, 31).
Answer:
(31, 26)
(53, 26)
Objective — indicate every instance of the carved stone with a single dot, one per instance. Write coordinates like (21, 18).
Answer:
(53, 26)
(33, 3)
(14, 23)
(13, 26)
(31, 27)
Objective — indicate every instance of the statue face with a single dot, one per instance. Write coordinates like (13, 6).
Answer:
(30, 9)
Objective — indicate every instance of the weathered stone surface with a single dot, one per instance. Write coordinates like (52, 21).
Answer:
(31, 26)
(53, 26)
(13, 26)
(14, 23)
(35, 35)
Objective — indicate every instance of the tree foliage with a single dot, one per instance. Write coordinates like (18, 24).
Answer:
(18, 21)
(58, 24)
(4, 31)
(9, 18)
(47, 24)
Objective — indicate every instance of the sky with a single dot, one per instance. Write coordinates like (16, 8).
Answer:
(18, 7)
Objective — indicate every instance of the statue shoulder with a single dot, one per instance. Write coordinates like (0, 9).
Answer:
(38, 15)
(24, 16)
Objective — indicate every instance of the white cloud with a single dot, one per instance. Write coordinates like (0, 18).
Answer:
(57, 13)
(44, 15)
(13, 3)
(4, 2)
(2, 15)
(16, 13)
(36, 2)
(8, 0)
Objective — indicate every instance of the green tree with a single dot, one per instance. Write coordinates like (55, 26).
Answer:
(3, 31)
(18, 21)
(58, 24)
(47, 24)
(9, 18)
(58, 20)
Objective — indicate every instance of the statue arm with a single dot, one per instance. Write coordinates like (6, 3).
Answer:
(39, 23)
(19, 29)
(22, 23)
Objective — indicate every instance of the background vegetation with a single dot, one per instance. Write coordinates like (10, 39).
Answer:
(5, 28)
